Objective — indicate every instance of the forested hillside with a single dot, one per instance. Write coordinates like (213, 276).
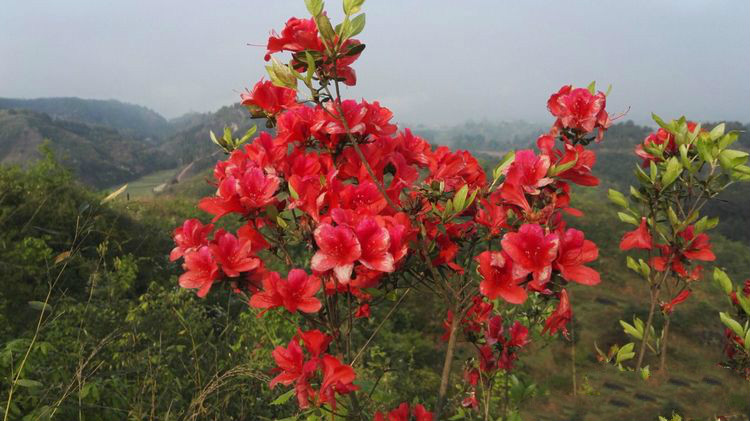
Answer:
(134, 120)
(98, 156)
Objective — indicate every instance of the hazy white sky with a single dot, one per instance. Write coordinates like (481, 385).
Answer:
(431, 61)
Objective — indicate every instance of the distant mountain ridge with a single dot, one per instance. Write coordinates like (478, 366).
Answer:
(99, 156)
(130, 119)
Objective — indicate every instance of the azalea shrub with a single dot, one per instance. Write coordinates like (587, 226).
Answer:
(683, 167)
(344, 214)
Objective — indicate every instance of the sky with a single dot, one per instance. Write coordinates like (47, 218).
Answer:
(433, 62)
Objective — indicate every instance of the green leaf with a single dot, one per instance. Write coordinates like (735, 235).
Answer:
(352, 7)
(673, 171)
(731, 158)
(40, 306)
(625, 353)
(356, 27)
(459, 199)
(722, 279)
(732, 324)
(645, 268)
(507, 159)
(717, 131)
(673, 219)
(617, 198)
(633, 265)
(325, 28)
(744, 302)
(315, 7)
(628, 219)
(659, 121)
(592, 87)
(684, 158)
(645, 373)
(283, 398)
(113, 195)
(631, 330)
(28, 383)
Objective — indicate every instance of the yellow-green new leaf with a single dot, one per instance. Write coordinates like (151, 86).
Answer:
(722, 279)
(732, 324)
(672, 172)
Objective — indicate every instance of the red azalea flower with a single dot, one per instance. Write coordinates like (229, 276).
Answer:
(575, 252)
(519, 335)
(639, 238)
(487, 360)
(492, 216)
(235, 256)
(189, 237)
(256, 189)
(422, 414)
(316, 342)
(201, 271)
(456, 169)
(667, 308)
(297, 35)
(337, 377)
(363, 311)
(297, 292)
(269, 97)
(697, 247)
(339, 249)
(289, 362)
(310, 195)
(529, 171)
(532, 251)
(226, 200)
(401, 413)
(559, 318)
(580, 173)
(578, 109)
(498, 280)
(293, 125)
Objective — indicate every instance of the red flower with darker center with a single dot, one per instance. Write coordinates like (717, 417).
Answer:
(297, 35)
(290, 362)
(189, 237)
(498, 280)
(697, 247)
(375, 243)
(337, 378)
(533, 252)
(201, 271)
(578, 109)
(234, 255)
(338, 250)
(268, 97)
(575, 252)
(297, 292)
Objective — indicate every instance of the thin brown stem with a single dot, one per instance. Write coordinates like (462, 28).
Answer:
(663, 348)
(447, 364)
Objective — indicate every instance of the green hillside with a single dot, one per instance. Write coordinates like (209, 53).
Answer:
(98, 156)
(133, 120)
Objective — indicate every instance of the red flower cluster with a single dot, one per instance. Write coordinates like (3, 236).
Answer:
(293, 367)
(206, 261)
(580, 110)
(659, 146)
(403, 413)
(347, 204)
(301, 35)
